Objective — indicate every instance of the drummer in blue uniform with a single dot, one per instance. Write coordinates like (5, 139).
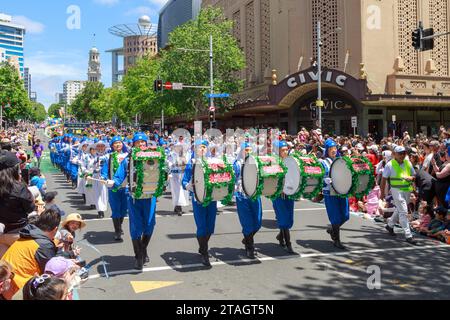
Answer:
(118, 198)
(249, 211)
(141, 211)
(284, 207)
(337, 207)
(205, 217)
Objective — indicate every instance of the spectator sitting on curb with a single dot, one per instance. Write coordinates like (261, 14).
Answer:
(69, 250)
(45, 287)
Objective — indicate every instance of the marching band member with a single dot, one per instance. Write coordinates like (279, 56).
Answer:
(81, 181)
(100, 190)
(118, 198)
(284, 207)
(74, 150)
(205, 217)
(177, 161)
(87, 169)
(141, 211)
(337, 207)
(249, 212)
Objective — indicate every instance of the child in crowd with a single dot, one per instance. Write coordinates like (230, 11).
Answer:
(438, 223)
(426, 215)
(50, 202)
(38, 180)
(45, 287)
(373, 201)
(66, 237)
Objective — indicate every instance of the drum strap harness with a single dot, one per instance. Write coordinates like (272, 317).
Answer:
(399, 181)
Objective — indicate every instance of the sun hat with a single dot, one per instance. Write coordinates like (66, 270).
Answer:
(74, 217)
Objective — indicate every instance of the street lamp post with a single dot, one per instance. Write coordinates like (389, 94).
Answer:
(319, 76)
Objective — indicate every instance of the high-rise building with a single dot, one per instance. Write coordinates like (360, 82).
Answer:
(59, 98)
(71, 89)
(94, 68)
(27, 81)
(33, 96)
(139, 40)
(370, 68)
(11, 39)
(2, 55)
(173, 14)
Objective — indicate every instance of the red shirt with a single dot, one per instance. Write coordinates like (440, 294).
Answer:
(374, 160)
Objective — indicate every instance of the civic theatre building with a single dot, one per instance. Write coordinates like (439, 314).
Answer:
(370, 67)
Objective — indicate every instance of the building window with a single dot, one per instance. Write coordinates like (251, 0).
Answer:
(439, 22)
(327, 12)
(407, 21)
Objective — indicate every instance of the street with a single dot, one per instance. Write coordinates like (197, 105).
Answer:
(319, 271)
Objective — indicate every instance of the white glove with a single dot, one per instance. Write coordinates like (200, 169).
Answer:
(110, 183)
(189, 187)
(328, 180)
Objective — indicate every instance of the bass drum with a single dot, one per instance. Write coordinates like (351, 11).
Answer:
(252, 178)
(219, 181)
(343, 178)
(304, 177)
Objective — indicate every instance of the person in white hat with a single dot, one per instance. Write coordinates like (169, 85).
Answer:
(177, 161)
(100, 189)
(401, 175)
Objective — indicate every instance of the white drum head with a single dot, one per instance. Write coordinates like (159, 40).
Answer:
(363, 183)
(199, 182)
(250, 176)
(292, 179)
(341, 176)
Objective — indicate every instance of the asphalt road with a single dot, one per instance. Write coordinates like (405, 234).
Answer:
(318, 271)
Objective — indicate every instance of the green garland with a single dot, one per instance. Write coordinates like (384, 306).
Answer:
(140, 171)
(355, 176)
(304, 175)
(115, 164)
(209, 186)
(262, 176)
(88, 184)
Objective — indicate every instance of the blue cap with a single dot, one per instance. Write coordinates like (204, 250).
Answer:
(201, 143)
(96, 140)
(330, 143)
(115, 139)
(140, 136)
(280, 144)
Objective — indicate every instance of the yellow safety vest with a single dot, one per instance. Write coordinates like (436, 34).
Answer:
(398, 181)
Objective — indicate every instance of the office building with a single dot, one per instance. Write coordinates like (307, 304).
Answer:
(12, 40)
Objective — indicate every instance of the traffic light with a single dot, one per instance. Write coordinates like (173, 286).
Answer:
(158, 86)
(417, 36)
(428, 44)
(211, 116)
(314, 115)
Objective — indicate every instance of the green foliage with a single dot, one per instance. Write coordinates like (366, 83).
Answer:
(39, 114)
(53, 110)
(12, 92)
(87, 105)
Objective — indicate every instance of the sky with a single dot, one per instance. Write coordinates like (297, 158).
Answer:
(58, 40)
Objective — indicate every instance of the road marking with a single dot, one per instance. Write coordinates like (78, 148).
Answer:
(144, 286)
(266, 258)
(191, 214)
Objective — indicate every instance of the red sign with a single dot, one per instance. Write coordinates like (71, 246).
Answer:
(168, 85)
(212, 109)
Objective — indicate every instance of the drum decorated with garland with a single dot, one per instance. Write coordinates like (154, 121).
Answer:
(263, 176)
(352, 176)
(213, 180)
(147, 172)
(304, 176)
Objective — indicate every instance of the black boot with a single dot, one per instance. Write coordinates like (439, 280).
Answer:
(117, 234)
(287, 237)
(145, 242)
(250, 246)
(121, 222)
(331, 233)
(337, 234)
(84, 198)
(137, 247)
(280, 238)
(179, 211)
(101, 214)
(203, 250)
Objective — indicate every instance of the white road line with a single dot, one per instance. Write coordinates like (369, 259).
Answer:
(262, 258)
(223, 212)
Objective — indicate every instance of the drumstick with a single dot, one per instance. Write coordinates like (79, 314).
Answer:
(98, 180)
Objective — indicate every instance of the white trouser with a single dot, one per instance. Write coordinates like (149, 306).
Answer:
(401, 201)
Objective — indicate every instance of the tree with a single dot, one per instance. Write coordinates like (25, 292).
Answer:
(84, 107)
(13, 93)
(53, 110)
(191, 67)
(39, 114)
